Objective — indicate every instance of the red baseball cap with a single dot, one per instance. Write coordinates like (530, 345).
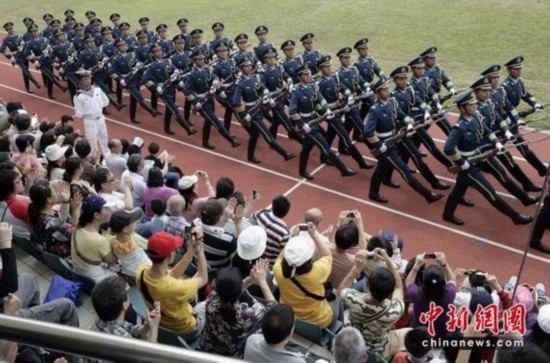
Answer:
(162, 244)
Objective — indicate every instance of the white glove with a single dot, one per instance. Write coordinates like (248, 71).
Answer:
(265, 100)
(383, 149)
(212, 90)
(347, 108)
(366, 86)
(500, 147)
(61, 71)
(198, 105)
(215, 83)
(537, 106)
(181, 84)
(330, 115)
(439, 107)
(291, 88)
(410, 127)
(159, 90)
(465, 166)
(306, 128)
(223, 95)
(427, 116)
(521, 122)
(177, 72)
(248, 118)
(452, 91)
(123, 83)
(272, 102)
(351, 101)
(509, 135)
(104, 60)
(139, 64)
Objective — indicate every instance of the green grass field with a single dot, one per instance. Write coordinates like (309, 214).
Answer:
(471, 35)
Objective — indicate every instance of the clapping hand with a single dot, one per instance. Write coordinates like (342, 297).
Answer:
(152, 319)
(258, 274)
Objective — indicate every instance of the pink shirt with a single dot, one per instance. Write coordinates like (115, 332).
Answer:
(163, 193)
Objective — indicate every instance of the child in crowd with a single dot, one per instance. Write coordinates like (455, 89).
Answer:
(26, 159)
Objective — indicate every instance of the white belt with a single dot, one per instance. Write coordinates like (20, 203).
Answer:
(201, 95)
(275, 93)
(330, 105)
(384, 134)
(248, 104)
(227, 85)
(93, 118)
(308, 114)
(467, 153)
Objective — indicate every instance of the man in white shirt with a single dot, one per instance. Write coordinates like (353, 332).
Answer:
(135, 164)
(115, 161)
(89, 103)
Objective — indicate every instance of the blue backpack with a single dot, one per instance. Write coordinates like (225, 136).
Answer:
(63, 288)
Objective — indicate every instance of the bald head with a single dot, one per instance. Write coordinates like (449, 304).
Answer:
(176, 205)
(314, 215)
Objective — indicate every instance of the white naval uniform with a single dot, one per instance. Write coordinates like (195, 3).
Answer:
(89, 106)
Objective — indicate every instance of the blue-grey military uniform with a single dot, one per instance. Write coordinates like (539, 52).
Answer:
(16, 44)
(39, 50)
(226, 71)
(65, 55)
(352, 80)
(275, 78)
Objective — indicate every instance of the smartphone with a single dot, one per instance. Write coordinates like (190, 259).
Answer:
(351, 215)
(429, 255)
(303, 227)
(468, 272)
(255, 194)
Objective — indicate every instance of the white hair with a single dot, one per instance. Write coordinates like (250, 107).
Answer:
(349, 346)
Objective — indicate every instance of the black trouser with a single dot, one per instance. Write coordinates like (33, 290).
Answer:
(135, 98)
(169, 98)
(314, 138)
(257, 128)
(474, 177)
(210, 119)
(510, 164)
(279, 117)
(542, 223)
(72, 84)
(26, 72)
(354, 123)
(336, 127)
(423, 137)
(366, 104)
(528, 154)
(444, 124)
(493, 167)
(49, 78)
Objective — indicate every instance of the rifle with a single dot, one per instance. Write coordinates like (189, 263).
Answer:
(102, 63)
(448, 96)
(400, 135)
(523, 114)
(174, 77)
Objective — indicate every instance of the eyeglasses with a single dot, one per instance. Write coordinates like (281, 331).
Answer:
(18, 181)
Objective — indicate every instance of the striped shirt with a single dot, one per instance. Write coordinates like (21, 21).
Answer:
(219, 246)
(277, 233)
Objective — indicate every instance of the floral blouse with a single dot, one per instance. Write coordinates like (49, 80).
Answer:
(228, 339)
(53, 234)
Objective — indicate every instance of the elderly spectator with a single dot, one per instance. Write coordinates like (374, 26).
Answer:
(115, 159)
(231, 313)
(219, 246)
(111, 301)
(156, 190)
(188, 190)
(315, 216)
(91, 252)
(277, 230)
(128, 246)
(277, 330)
(374, 313)
(157, 282)
(55, 155)
(49, 227)
(135, 165)
(13, 210)
(348, 346)
(301, 281)
(73, 176)
(106, 185)
(176, 223)
(540, 334)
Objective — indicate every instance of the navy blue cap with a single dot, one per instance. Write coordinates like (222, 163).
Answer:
(141, 33)
(89, 13)
(515, 63)
(55, 22)
(124, 26)
(362, 43)
(27, 20)
(8, 24)
(89, 37)
(324, 61)
(178, 39)
(388, 235)
(196, 32)
(32, 27)
(182, 21)
(429, 53)
(465, 98)
(260, 29)
(96, 21)
(78, 26)
(222, 46)
(161, 27)
(106, 30)
(307, 38)
(119, 42)
(303, 69)
(380, 84)
(244, 61)
(416, 62)
(400, 72)
(154, 47)
(114, 16)
(143, 20)
(218, 26)
(241, 38)
(481, 83)
(491, 71)
(288, 44)
(58, 33)
(344, 52)
(69, 12)
(197, 53)
(93, 203)
(47, 16)
(270, 52)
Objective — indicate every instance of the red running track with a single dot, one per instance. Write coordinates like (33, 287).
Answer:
(488, 240)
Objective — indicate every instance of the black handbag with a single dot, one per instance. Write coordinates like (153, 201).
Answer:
(329, 293)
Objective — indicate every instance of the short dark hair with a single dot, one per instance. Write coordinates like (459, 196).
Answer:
(108, 297)
(47, 139)
(346, 236)
(381, 283)
(22, 121)
(66, 118)
(134, 149)
(239, 196)
(23, 141)
(83, 148)
(158, 206)
(375, 242)
(527, 353)
(153, 148)
(280, 205)
(277, 323)
(7, 181)
(125, 145)
(155, 178)
(13, 106)
(414, 342)
(133, 162)
(100, 177)
(211, 212)
(224, 187)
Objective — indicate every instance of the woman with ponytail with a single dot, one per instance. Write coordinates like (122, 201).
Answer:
(50, 229)
(73, 176)
(232, 314)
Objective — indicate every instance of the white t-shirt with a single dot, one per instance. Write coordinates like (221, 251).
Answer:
(116, 163)
(138, 183)
(89, 104)
(115, 200)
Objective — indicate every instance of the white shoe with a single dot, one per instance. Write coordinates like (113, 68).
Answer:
(541, 293)
(511, 284)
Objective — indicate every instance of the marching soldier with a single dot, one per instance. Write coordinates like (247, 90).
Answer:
(263, 45)
(182, 25)
(305, 102)
(463, 142)
(38, 51)
(406, 98)
(68, 27)
(55, 25)
(115, 18)
(225, 69)
(143, 55)
(241, 41)
(78, 38)
(277, 82)
(515, 93)
(311, 56)
(180, 58)
(90, 15)
(163, 40)
(48, 30)
(218, 29)
(109, 50)
(494, 122)
(381, 125)
(368, 68)
(65, 60)
(160, 77)
(130, 40)
(124, 70)
(249, 95)
(16, 45)
(199, 89)
(198, 44)
(331, 88)
(438, 79)
(144, 25)
(291, 63)
(97, 27)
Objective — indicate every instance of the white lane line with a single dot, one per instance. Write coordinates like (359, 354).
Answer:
(470, 236)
